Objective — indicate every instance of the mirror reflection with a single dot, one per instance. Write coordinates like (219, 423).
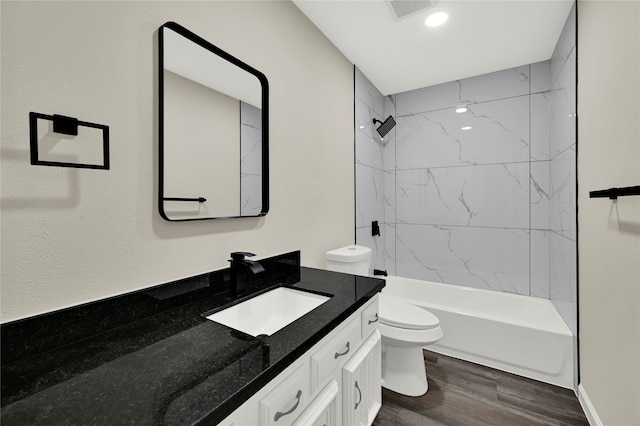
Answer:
(213, 131)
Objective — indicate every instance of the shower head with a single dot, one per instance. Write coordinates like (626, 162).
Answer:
(386, 126)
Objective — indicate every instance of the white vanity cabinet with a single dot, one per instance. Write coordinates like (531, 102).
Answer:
(335, 383)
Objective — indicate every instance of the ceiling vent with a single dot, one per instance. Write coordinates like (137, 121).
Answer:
(404, 8)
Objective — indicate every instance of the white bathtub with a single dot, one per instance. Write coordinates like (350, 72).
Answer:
(519, 334)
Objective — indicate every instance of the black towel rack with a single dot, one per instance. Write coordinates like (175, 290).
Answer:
(614, 193)
(66, 126)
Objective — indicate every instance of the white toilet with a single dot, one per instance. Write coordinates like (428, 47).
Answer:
(405, 328)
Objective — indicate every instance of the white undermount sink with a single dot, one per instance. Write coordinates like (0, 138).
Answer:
(268, 312)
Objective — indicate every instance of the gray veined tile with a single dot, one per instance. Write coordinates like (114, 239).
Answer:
(369, 195)
(483, 88)
(445, 95)
(562, 217)
(540, 77)
(376, 244)
(567, 73)
(566, 44)
(488, 258)
(369, 147)
(499, 133)
(492, 195)
(540, 130)
(251, 150)
(540, 194)
(390, 196)
(540, 261)
(497, 85)
(389, 150)
(368, 93)
(390, 247)
(389, 105)
(250, 194)
(250, 115)
(562, 268)
(562, 124)
(424, 141)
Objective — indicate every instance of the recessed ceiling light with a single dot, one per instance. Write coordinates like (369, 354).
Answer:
(436, 19)
(466, 128)
(461, 109)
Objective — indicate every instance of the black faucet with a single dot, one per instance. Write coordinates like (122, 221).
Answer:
(239, 267)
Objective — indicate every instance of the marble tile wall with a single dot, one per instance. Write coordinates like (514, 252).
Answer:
(250, 160)
(490, 207)
(563, 280)
(462, 190)
(370, 175)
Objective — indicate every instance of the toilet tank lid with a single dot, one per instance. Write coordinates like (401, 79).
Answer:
(349, 254)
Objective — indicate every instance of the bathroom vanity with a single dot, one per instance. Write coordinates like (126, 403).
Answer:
(336, 382)
(151, 357)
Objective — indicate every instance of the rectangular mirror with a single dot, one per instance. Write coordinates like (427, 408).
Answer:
(213, 136)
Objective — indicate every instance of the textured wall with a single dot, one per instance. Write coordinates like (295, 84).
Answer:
(609, 231)
(70, 235)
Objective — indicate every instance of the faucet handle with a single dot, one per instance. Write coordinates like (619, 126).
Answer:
(240, 255)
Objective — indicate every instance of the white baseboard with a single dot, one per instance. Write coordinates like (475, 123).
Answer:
(587, 407)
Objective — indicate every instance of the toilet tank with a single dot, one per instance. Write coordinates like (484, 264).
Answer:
(350, 259)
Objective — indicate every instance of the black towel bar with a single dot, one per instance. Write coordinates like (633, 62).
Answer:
(614, 193)
(199, 199)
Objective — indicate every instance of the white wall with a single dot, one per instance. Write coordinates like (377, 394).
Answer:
(72, 235)
(609, 232)
(201, 155)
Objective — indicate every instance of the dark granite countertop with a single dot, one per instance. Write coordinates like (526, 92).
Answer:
(150, 357)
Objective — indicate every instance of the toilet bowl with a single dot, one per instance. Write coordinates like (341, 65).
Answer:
(405, 328)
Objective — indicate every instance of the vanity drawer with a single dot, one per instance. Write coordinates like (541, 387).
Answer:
(370, 318)
(323, 410)
(334, 353)
(288, 399)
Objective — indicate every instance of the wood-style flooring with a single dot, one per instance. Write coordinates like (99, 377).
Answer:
(466, 394)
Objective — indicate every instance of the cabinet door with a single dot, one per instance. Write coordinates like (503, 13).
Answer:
(323, 411)
(362, 394)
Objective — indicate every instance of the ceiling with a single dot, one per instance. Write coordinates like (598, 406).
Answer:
(480, 36)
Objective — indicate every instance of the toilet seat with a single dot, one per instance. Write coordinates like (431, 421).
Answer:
(400, 314)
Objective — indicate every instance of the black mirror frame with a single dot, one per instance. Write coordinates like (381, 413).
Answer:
(264, 83)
